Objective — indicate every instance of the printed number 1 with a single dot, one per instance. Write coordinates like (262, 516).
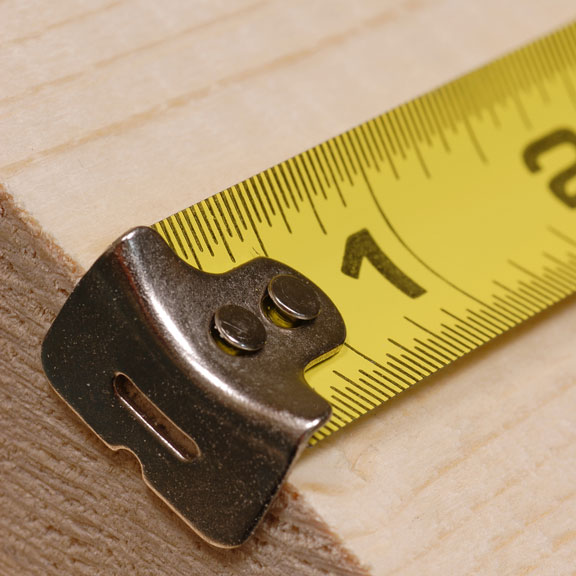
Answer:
(361, 245)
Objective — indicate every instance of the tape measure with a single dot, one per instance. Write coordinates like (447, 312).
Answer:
(434, 228)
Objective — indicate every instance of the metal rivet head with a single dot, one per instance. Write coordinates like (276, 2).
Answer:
(294, 299)
(239, 328)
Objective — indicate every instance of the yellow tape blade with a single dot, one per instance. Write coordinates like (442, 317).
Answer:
(434, 228)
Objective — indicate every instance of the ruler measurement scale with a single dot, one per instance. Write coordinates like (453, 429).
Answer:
(434, 227)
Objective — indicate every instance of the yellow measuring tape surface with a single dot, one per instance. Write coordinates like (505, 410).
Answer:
(434, 228)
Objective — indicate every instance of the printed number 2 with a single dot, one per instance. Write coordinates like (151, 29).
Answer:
(361, 245)
(560, 182)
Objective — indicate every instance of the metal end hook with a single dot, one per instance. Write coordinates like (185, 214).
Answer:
(200, 375)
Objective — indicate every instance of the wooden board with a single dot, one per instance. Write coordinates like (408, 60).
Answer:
(117, 113)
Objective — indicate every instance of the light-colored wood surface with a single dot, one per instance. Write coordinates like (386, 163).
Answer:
(117, 113)
(114, 114)
(472, 473)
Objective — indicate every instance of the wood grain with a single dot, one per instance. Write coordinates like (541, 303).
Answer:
(117, 113)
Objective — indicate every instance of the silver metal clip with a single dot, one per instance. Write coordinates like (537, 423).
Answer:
(200, 375)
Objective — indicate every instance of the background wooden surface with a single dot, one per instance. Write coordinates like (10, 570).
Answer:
(114, 114)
